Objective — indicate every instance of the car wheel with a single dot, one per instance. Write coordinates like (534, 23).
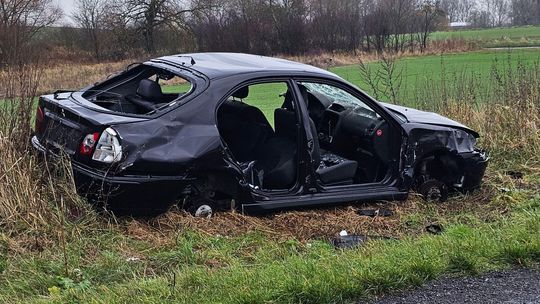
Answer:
(202, 208)
(434, 191)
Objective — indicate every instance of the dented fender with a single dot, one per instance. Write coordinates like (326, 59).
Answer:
(455, 146)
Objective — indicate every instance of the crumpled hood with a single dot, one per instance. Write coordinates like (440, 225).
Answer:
(417, 116)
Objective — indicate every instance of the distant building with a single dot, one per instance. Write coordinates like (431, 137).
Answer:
(460, 24)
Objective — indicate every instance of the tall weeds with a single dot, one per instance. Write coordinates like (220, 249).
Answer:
(503, 106)
(36, 200)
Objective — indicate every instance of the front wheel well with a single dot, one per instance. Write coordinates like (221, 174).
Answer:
(440, 165)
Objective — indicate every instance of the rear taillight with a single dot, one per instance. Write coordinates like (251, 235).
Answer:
(108, 149)
(88, 144)
(39, 126)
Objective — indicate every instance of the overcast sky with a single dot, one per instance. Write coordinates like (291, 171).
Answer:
(68, 7)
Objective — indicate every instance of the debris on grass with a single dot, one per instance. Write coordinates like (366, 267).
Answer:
(349, 241)
(514, 174)
(376, 212)
(435, 228)
(322, 224)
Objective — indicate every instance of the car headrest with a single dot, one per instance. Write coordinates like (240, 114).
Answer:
(150, 90)
(241, 93)
(288, 101)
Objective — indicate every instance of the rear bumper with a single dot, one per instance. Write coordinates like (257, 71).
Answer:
(475, 164)
(124, 192)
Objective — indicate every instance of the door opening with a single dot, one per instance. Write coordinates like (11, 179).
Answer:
(353, 144)
(259, 126)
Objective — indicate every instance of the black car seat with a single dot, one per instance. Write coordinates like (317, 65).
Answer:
(250, 137)
(285, 124)
(277, 158)
(331, 169)
(149, 96)
(276, 163)
(244, 128)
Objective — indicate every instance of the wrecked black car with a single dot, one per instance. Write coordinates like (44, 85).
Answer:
(214, 131)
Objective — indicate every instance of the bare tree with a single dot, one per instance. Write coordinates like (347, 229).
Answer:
(90, 16)
(430, 16)
(458, 10)
(501, 10)
(20, 20)
(497, 10)
(149, 15)
(524, 12)
(130, 27)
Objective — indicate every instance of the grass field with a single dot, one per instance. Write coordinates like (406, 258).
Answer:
(496, 37)
(152, 266)
(475, 68)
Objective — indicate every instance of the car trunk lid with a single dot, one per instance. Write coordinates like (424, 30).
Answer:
(63, 119)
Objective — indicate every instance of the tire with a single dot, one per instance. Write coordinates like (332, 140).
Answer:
(202, 207)
(433, 190)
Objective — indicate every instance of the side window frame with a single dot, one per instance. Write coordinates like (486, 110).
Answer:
(291, 84)
(290, 81)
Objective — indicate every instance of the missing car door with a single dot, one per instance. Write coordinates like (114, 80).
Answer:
(259, 125)
(353, 144)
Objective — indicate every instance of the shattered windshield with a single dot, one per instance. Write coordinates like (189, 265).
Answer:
(341, 96)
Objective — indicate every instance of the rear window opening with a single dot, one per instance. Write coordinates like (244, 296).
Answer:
(141, 90)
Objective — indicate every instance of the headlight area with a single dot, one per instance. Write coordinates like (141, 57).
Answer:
(104, 148)
(464, 141)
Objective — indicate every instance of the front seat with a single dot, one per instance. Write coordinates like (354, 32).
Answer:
(331, 169)
(149, 96)
(276, 163)
(277, 159)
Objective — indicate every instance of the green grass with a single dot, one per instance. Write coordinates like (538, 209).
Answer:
(419, 71)
(254, 269)
(495, 37)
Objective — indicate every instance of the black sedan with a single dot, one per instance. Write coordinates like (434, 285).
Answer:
(214, 131)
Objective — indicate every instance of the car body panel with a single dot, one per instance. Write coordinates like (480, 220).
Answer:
(429, 118)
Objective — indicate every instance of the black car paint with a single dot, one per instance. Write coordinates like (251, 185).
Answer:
(169, 151)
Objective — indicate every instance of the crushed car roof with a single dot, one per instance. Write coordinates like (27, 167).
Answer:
(217, 65)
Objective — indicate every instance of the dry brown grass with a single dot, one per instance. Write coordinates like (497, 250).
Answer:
(74, 76)
(410, 217)
(326, 223)
(327, 60)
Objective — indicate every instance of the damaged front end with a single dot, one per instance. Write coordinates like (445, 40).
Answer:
(440, 155)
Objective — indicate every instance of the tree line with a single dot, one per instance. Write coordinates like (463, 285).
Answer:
(255, 26)
(116, 29)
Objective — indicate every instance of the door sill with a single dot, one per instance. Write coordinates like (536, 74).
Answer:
(383, 193)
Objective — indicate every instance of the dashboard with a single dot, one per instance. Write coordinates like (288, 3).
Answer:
(350, 130)
(340, 118)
